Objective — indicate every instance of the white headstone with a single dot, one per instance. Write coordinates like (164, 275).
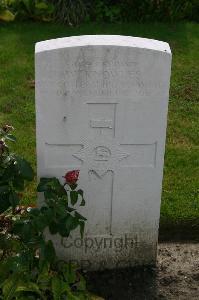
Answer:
(101, 104)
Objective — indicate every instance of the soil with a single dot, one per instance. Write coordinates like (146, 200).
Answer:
(176, 277)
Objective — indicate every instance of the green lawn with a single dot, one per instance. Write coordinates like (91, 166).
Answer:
(180, 200)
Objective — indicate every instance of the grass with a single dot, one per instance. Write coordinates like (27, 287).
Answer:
(180, 198)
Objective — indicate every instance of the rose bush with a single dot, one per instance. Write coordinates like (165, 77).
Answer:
(29, 267)
(15, 171)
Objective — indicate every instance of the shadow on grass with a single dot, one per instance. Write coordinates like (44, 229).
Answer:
(182, 231)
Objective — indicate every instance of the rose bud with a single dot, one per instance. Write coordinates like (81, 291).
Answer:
(71, 177)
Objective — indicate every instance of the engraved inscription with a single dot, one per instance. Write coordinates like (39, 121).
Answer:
(102, 153)
(102, 118)
(101, 123)
(102, 73)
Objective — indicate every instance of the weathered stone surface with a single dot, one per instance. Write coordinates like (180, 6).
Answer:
(101, 104)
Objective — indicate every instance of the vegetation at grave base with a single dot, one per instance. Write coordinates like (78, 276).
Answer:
(77, 11)
(29, 267)
(180, 203)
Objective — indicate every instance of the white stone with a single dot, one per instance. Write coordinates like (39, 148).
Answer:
(101, 104)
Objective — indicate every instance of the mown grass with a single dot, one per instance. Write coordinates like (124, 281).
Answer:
(180, 198)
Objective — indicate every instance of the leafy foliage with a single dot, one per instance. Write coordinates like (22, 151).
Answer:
(29, 267)
(14, 171)
(159, 10)
(34, 9)
(103, 10)
(76, 11)
(40, 10)
(146, 10)
(5, 13)
(73, 12)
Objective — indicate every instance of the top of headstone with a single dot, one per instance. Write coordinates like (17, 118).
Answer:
(102, 40)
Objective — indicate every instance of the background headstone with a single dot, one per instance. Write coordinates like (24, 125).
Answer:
(101, 105)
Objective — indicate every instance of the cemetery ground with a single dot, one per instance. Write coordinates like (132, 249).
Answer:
(175, 277)
(180, 202)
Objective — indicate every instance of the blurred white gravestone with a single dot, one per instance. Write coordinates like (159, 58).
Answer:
(101, 105)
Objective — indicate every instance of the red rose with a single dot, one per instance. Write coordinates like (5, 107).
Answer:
(71, 177)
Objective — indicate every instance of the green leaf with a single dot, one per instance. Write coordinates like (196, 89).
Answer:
(71, 222)
(80, 217)
(81, 193)
(81, 284)
(25, 168)
(58, 288)
(41, 6)
(11, 137)
(44, 277)
(49, 194)
(82, 202)
(10, 171)
(62, 229)
(40, 222)
(4, 202)
(49, 213)
(94, 297)
(9, 287)
(47, 253)
(70, 209)
(53, 227)
(70, 296)
(43, 185)
(60, 210)
(28, 287)
(74, 197)
(29, 5)
(34, 212)
(67, 224)
(18, 183)
(18, 227)
(7, 16)
(27, 231)
(4, 189)
(50, 184)
(69, 272)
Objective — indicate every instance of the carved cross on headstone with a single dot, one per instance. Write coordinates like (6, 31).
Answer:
(106, 153)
